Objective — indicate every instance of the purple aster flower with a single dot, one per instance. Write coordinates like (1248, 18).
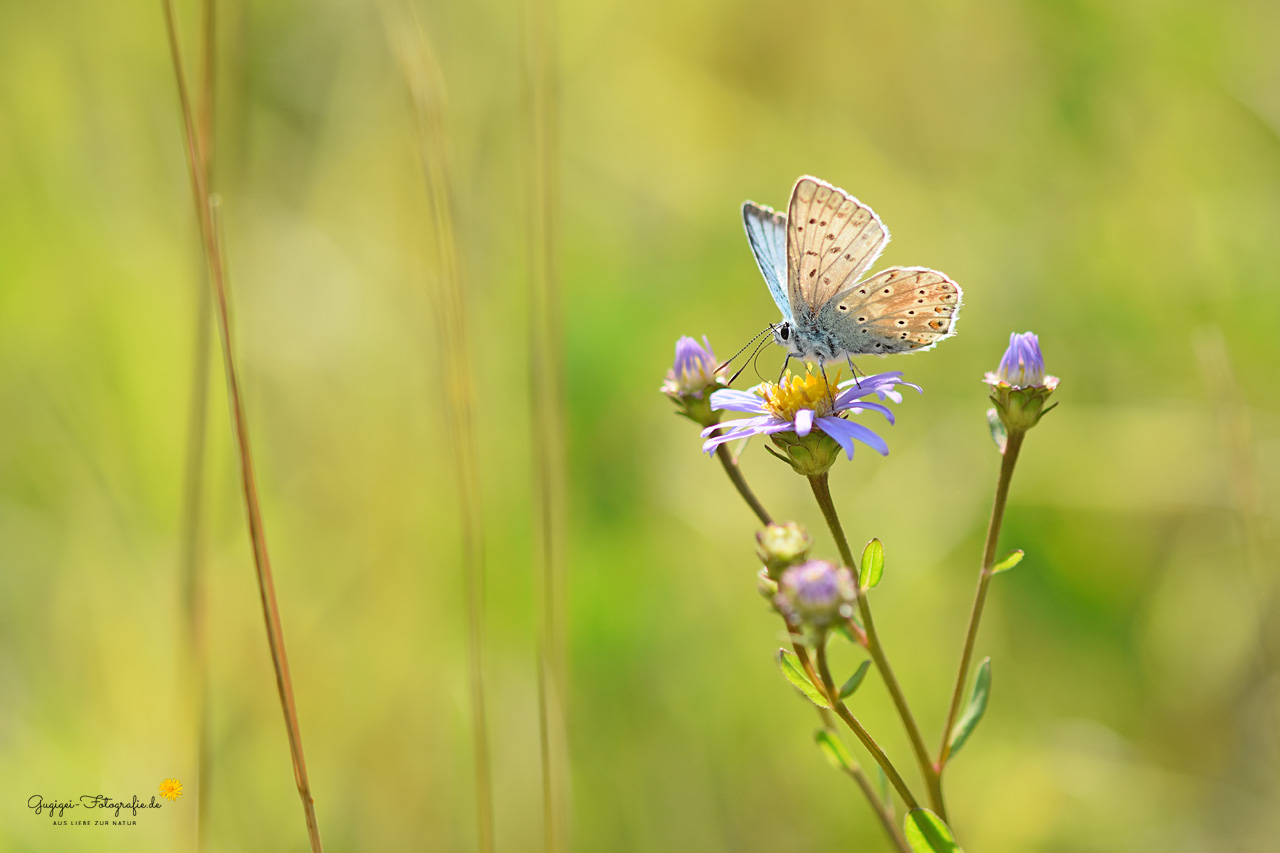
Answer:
(802, 404)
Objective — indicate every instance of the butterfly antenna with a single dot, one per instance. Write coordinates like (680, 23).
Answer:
(751, 359)
(755, 363)
(768, 328)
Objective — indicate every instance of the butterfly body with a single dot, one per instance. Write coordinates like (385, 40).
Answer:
(813, 259)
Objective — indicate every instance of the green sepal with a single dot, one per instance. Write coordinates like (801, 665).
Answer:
(974, 710)
(835, 751)
(1008, 562)
(795, 673)
(872, 564)
(779, 455)
(855, 680)
(926, 833)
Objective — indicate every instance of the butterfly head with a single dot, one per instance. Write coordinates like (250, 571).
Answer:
(783, 334)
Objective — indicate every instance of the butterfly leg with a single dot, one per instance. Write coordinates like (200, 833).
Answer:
(853, 368)
(830, 396)
(783, 372)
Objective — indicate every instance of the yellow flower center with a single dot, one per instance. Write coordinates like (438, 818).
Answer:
(793, 393)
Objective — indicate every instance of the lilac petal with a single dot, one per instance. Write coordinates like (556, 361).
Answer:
(862, 405)
(804, 422)
(712, 443)
(741, 423)
(884, 390)
(845, 432)
(737, 401)
(889, 376)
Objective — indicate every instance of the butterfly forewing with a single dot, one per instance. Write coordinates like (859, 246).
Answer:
(767, 234)
(832, 238)
(896, 310)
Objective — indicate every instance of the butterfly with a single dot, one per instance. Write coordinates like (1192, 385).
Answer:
(813, 258)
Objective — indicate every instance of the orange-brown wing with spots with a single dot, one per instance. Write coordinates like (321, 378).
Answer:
(832, 238)
(901, 309)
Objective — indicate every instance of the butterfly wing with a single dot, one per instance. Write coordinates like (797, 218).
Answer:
(898, 310)
(767, 234)
(832, 238)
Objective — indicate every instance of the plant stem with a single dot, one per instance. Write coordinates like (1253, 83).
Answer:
(546, 390)
(424, 81)
(882, 811)
(873, 798)
(1010, 459)
(740, 483)
(196, 164)
(828, 683)
(822, 493)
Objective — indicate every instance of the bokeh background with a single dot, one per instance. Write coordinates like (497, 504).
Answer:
(1105, 174)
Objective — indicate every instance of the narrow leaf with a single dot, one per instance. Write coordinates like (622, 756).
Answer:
(795, 673)
(975, 709)
(872, 564)
(1008, 562)
(882, 784)
(926, 833)
(835, 751)
(855, 680)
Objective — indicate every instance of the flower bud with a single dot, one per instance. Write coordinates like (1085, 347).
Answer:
(815, 594)
(782, 546)
(1019, 387)
(691, 378)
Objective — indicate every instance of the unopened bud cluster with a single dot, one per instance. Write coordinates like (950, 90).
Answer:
(816, 594)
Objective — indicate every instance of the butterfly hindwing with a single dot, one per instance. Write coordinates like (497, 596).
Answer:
(767, 234)
(832, 238)
(900, 309)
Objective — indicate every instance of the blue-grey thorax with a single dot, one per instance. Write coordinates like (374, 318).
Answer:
(803, 341)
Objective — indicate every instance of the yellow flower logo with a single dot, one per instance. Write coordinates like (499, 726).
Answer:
(171, 789)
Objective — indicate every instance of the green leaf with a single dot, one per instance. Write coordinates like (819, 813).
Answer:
(835, 751)
(872, 564)
(795, 673)
(975, 709)
(882, 784)
(855, 680)
(1008, 562)
(926, 833)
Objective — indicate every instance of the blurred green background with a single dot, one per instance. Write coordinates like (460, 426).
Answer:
(1105, 174)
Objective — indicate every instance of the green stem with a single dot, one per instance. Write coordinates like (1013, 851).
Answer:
(884, 811)
(739, 482)
(873, 798)
(822, 493)
(206, 219)
(837, 704)
(1012, 448)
